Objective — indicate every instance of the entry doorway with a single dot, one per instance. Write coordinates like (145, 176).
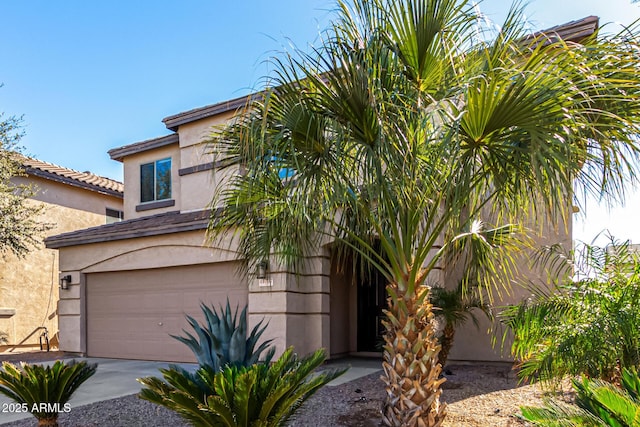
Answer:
(372, 300)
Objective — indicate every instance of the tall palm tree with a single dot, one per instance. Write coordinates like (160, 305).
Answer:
(411, 130)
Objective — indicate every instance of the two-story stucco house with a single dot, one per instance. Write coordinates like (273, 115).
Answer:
(29, 286)
(132, 282)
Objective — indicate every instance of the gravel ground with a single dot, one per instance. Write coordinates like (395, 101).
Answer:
(476, 396)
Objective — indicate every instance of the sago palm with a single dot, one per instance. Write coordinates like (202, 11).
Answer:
(413, 130)
(598, 403)
(44, 390)
(256, 395)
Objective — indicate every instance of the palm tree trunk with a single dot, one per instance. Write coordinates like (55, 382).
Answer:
(446, 342)
(411, 368)
(51, 421)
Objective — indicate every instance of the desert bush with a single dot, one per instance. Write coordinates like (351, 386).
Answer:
(588, 325)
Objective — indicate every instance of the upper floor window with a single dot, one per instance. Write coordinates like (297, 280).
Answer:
(114, 215)
(155, 180)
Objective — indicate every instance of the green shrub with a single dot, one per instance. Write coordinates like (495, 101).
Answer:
(453, 307)
(222, 339)
(257, 395)
(589, 326)
(44, 390)
(599, 403)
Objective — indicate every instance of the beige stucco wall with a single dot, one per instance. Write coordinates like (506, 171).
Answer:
(473, 343)
(191, 191)
(169, 250)
(195, 132)
(296, 309)
(198, 188)
(29, 285)
(131, 168)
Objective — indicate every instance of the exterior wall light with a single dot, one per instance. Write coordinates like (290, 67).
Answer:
(65, 281)
(262, 270)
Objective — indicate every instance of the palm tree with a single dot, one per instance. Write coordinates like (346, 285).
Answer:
(453, 307)
(408, 130)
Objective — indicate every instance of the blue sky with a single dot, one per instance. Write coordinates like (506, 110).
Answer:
(90, 76)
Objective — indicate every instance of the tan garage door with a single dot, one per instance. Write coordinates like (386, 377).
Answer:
(131, 314)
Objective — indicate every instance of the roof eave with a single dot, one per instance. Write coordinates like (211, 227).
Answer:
(175, 121)
(120, 153)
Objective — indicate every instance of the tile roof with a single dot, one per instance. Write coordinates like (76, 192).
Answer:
(164, 223)
(86, 180)
(574, 31)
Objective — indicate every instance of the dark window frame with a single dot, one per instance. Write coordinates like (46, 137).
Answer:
(155, 187)
(114, 215)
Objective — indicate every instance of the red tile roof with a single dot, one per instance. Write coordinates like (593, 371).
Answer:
(86, 180)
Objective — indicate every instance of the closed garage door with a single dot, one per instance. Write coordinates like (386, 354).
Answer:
(131, 314)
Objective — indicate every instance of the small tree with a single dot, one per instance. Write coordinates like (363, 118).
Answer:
(453, 307)
(19, 228)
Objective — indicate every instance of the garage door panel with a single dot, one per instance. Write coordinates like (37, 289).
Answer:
(132, 314)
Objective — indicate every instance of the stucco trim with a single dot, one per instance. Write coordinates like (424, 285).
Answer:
(118, 262)
(7, 312)
(199, 168)
(175, 121)
(155, 205)
(138, 147)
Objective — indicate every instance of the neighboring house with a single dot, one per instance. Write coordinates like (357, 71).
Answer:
(29, 286)
(133, 282)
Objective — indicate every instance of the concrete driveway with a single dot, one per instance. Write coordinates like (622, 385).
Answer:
(113, 378)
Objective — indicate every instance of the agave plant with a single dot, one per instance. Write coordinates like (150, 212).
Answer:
(599, 403)
(257, 395)
(44, 390)
(222, 340)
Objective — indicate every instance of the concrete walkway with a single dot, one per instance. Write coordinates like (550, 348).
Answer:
(117, 377)
(358, 367)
